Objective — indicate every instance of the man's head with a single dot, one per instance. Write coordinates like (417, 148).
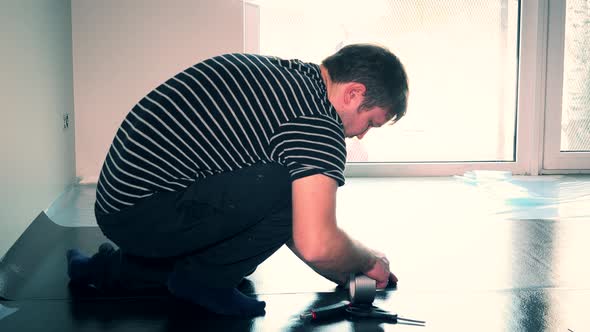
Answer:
(367, 85)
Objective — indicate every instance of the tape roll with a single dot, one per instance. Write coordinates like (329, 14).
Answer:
(361, 289)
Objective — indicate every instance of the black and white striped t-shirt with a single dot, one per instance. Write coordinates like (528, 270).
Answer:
(222, 114)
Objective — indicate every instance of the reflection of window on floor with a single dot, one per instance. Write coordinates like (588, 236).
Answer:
(461, 59)
(575, 120)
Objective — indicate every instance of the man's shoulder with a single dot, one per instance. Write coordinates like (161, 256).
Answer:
(265, 60)
(313, 124)
(317, 118)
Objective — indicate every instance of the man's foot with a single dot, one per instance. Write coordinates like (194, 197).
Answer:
(81, 268)
(78, 266)
(224, 301)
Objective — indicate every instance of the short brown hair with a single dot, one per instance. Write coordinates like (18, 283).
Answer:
(379, 70)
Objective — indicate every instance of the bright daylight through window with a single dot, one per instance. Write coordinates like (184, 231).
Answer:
(575, 119)
(460, 56)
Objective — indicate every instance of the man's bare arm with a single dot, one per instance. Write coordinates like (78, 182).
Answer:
(338, 278)
(316, 235)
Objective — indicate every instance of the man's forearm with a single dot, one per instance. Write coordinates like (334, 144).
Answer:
(342, 255)
(338, 278)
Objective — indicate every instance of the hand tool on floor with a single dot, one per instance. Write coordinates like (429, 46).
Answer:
(361, 291)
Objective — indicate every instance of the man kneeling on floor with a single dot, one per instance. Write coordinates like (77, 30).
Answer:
(219, 166)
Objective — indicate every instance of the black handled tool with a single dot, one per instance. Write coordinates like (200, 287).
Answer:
(327, 312)
(362, 294)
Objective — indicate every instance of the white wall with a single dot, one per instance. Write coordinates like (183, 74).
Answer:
(37, 154)
(125, 48)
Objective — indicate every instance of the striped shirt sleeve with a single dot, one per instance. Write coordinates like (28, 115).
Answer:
(310, 145)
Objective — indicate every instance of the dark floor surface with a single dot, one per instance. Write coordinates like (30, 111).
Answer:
(509, 256)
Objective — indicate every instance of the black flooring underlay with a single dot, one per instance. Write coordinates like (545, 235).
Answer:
(467, 259)
(35, 266)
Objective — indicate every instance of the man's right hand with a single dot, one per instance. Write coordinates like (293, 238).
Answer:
(380, 272)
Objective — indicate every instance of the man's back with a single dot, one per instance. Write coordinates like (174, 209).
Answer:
(222, 114)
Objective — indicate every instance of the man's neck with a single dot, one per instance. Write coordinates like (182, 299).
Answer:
(331, 90)
(326, 79)
(329, 84)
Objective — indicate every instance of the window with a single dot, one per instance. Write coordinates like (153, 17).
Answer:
(482, 75)
(567, 113)
(575, 120)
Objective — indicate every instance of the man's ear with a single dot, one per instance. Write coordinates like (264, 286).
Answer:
(354, 93)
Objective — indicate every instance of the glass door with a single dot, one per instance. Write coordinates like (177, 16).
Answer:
(462, 59)
(477, 72)
(567, 113)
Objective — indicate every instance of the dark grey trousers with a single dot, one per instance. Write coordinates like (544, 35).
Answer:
(215, 232)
